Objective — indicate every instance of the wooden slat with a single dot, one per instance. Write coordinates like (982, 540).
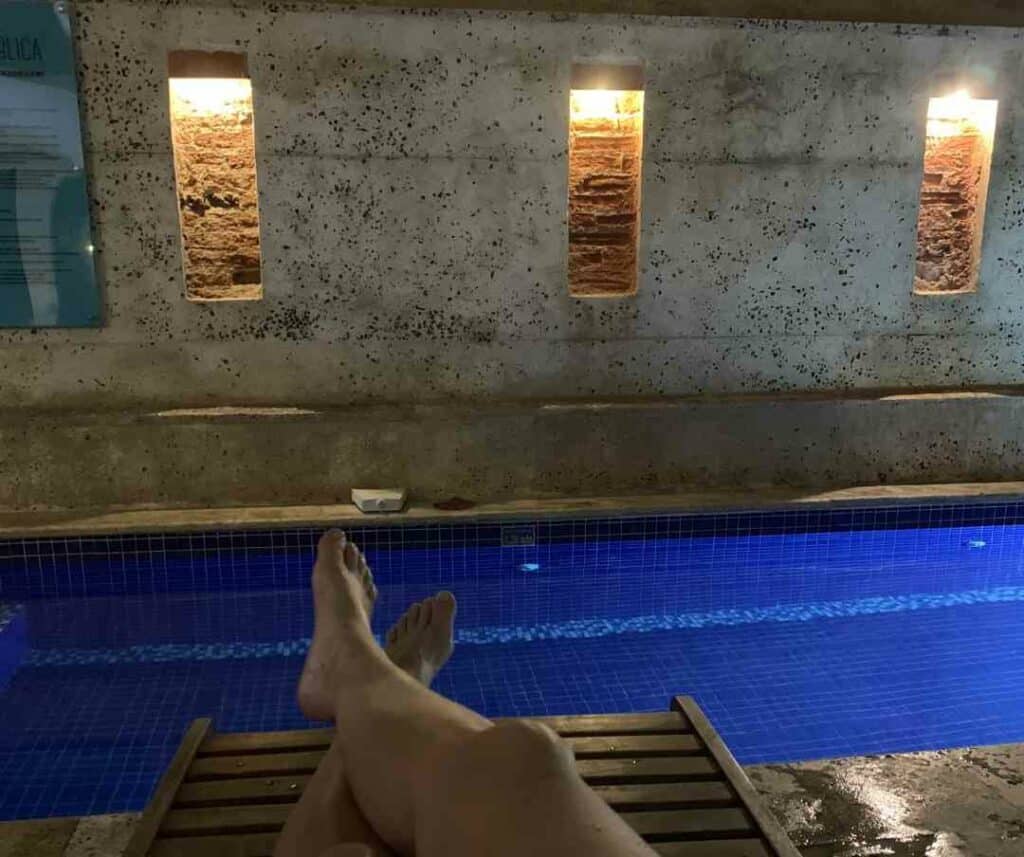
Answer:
(266, 742)
(262, 845)
(622, 771)
(219, 766)
(617, 724)
(163, 797)
(635, 745)
(667, 795)
(251, 818)
(668, 774)
(606, 771)
(248, 790)
(620, 743)
(289, 789)
(722, 848)
(265, 818)
(694, 823)
(254, 765)
(772, 831)
(246, 845)
(657, 723)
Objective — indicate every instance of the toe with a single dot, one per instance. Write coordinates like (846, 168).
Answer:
(444, 610)
(351, 554)
(414, 615)
(445, 603)
(331, 543)
(426, 613)
(330, 539)
(392, 634)
(366, 576)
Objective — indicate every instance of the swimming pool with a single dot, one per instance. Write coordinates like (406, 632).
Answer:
(803, 633)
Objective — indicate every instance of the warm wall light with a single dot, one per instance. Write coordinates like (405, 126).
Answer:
(606, 122)
(211, 96)
(948, 116)
(954, 192)
(215, 171)
(597, 104)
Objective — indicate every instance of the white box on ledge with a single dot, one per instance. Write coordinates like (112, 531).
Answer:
(379, 499)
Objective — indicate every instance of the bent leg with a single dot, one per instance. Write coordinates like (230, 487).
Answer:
(327, 815)
(413, 757)
(514, 790)
(326, 820)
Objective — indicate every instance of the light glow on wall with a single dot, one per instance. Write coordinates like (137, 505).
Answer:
(210, 96)
(587, 104)
(960, 135)
(211, 109)
(606, 125)
(948, 116)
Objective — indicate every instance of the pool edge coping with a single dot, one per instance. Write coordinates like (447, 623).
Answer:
(67, 523)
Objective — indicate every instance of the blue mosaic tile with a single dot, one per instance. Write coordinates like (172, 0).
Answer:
(804, 633)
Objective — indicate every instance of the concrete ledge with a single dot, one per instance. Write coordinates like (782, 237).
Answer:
(128, 521)
(285, 458)
(90, 836)
(47, 837)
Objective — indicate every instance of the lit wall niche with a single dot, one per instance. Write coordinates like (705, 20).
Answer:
(957, 167)
(606, 141)
(215, 170)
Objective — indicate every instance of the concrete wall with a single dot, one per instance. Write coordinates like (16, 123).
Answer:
(413, 199)
(510, 451)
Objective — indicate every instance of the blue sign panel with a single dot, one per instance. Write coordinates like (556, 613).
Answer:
(47, 276)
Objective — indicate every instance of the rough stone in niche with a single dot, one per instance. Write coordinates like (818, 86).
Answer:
(948, 240)
(215, 165)
(605, 154)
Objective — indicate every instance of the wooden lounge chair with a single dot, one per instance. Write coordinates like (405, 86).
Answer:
(669, 776)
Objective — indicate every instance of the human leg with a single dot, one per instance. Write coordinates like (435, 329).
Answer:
(433, 777)
(327, 816)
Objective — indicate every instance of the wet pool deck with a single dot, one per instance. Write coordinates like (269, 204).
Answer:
(967, 803)
(952, 803)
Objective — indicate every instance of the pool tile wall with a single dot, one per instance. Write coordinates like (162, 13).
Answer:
(520, 572)
(803, 633)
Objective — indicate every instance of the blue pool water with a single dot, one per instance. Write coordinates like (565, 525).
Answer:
(803, 634)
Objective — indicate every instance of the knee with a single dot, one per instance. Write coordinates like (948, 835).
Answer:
(526, 744)
(511, 750)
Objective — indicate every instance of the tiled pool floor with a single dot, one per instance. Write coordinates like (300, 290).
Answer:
(804, 634)
(92, 715)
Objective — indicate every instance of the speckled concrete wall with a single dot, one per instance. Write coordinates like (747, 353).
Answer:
(413, 190)
(509, 451)
(413, 198)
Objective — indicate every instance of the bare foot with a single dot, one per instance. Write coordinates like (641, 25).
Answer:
(422, 640)
(343, 596)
